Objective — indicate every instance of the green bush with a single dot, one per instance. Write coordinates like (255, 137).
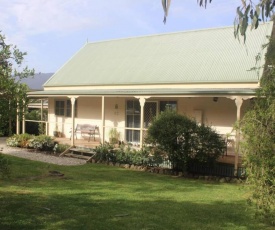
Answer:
(184, 140)
(19, 140)
(123, 155)
(60, 148)
(42, 143)
(4, 166)
(104, 152)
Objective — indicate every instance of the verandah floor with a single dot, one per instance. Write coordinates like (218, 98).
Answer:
(78, 142)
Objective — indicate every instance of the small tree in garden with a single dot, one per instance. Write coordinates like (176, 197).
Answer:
(184, 140)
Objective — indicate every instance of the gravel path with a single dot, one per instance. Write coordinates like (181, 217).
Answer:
(36, 156)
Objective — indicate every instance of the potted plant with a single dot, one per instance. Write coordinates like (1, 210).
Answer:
(56, 132)
(114, 136)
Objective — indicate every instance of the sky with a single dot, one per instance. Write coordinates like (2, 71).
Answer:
(52, 31)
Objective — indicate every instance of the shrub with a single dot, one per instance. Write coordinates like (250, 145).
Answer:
(60, 148)
(19, 140)
(42, 142)
(123, 154)
(13, 141)
(105, 152)
(4, 166)
(184, 140)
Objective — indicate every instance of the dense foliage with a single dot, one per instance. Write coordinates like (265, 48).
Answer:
(184, 140)
(258, 128)
(12, 92)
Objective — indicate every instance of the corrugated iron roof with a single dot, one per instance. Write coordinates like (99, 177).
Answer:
(202, 56)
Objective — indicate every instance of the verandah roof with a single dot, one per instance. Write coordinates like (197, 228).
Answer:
(147, 92)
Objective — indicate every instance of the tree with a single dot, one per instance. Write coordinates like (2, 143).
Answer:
(12, 92)
(247, 12)
(258, 129)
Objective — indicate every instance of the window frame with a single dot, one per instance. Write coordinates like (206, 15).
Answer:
(174, 106)
(67, 108)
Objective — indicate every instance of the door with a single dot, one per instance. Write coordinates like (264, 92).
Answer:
(133, 118)
(132, 121)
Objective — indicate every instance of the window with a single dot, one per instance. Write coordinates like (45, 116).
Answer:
(168, 105)
(59, 108)
(64, 108)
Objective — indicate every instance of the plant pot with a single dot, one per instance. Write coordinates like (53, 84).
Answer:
(113, 140)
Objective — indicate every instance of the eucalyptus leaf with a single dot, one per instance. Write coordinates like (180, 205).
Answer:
(263, 14)
(165, 5)
(247, 10)
(267, 8)
(239, 12)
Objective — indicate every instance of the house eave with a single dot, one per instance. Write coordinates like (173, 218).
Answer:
(148, 92)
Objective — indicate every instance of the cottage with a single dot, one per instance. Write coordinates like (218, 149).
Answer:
(124, 83)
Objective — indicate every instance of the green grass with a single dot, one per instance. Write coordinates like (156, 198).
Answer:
(95, 196)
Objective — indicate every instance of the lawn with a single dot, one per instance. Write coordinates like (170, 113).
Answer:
(95, 196)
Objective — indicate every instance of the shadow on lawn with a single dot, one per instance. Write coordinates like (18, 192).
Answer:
(83, 211)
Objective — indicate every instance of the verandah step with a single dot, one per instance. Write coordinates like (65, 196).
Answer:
(78, 156)
(81, 150)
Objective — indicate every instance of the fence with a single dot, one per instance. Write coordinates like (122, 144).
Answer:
(218, 169)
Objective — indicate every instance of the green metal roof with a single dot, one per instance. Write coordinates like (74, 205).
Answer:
(203, 56)
(142, 92)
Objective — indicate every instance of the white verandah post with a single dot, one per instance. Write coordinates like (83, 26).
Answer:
(17, 119)
(238, 101)
(23, 118)
(73, 120)
(142, 101)
(103, 119)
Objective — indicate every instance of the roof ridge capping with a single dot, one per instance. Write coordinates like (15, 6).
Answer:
(170, 33)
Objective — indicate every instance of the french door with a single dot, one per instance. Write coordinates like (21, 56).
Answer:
(133, 118)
